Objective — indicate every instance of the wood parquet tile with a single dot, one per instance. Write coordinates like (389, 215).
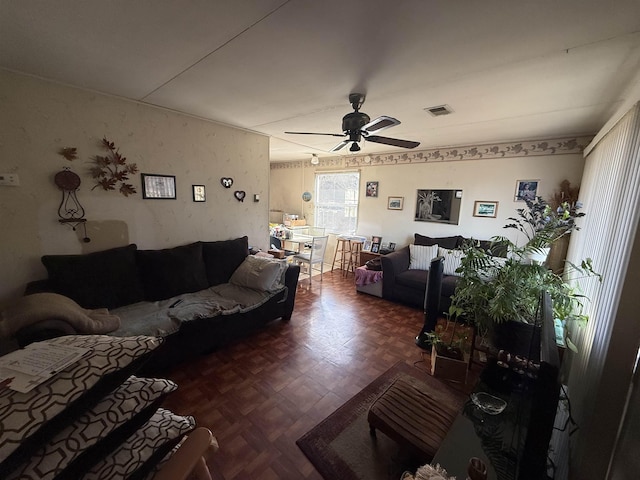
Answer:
(260, 394)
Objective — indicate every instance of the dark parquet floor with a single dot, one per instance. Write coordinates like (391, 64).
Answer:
(260, 394)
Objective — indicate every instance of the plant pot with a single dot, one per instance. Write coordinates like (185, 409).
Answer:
(517, 338)
(449, 368)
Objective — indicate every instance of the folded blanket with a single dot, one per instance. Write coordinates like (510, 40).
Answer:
(48, 306)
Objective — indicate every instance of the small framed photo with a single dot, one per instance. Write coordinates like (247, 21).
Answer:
(161, 187)
(199, 194)
(367, 246)
(392, 246)
(372, 189)
(483, 208)
(375, 244)
(526, 190)
(395, 203)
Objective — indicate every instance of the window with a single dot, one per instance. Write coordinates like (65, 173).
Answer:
(337, 201)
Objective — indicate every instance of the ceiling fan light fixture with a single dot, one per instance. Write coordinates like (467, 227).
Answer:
(314, 159)
(354, 147)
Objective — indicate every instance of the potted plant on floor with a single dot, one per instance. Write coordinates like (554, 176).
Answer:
(501, 295)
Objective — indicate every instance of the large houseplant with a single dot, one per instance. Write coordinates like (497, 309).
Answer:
(493, 290)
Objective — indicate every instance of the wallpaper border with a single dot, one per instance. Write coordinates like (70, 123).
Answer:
(529, 148)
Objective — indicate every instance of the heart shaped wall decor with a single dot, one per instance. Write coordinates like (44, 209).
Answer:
(240, 194)
(226, 182)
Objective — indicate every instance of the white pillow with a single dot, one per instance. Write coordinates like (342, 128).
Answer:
(421, 256)
(451, 260)
(259, 273)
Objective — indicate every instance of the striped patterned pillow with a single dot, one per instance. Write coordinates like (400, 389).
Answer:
(421, 256)
(451, 260)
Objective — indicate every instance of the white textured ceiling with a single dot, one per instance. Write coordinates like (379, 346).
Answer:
(510, 70)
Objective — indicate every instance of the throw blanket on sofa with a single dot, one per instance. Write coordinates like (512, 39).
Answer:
(164, 317)
(37, 307)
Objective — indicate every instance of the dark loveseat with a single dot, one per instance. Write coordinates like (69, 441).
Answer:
(126, 277)
(402, 284)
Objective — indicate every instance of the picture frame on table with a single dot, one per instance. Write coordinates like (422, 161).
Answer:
(395, 203)
(375, 244)
(483, 208)
(366, 246)
(526, 190)
(199, 193)
(158, 187)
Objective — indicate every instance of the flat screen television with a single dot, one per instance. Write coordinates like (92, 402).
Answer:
(544, 397)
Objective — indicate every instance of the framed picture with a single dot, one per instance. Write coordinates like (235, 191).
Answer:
(367, 246)
(439, 206)
(482, 208)
(526, 190)
(395, 203)
(392, 246)
(375, 244)
(161, 187)
(199, 194)
(372, 189)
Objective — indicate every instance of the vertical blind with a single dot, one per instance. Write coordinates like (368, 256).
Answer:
(610, 192)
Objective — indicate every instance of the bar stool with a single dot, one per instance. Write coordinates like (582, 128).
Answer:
(343, 247)
(354, 258)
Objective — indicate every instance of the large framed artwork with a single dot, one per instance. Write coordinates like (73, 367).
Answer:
(439, 206)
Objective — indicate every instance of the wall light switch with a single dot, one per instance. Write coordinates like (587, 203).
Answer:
(9, 179)
(256, 198)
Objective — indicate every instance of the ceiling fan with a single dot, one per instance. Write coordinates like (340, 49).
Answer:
(357, 125)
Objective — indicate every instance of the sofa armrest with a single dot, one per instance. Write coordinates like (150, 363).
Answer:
(291, 282)
(393, 264)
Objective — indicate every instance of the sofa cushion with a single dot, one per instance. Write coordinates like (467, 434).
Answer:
(421, 256)
(98, 430)
(452, 260)
(222, 258)
(414, 279)
(444, 242)
(106, 279)
(29, 420)
(136, 456)
(259, 273)
(172, 271)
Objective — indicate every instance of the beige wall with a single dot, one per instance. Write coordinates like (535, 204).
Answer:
(37, 118)
(479, 179)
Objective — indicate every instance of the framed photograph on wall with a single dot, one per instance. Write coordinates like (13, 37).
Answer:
(395, 203)
(526, 190)
(160, 187)
(482, 208)
(199, 194)
(372, 189)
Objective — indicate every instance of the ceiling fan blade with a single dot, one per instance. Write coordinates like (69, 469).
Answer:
(380, 123)
(341, 145)
(392, 141)
(313, 133)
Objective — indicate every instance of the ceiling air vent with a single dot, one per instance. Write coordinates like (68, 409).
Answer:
(439, 110)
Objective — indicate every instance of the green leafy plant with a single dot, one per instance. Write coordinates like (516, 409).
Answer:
(493, 290)
(542, 224)
(111, 171)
